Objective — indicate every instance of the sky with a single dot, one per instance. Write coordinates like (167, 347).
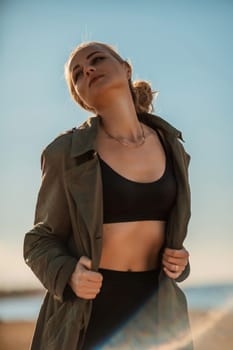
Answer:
(183, 47)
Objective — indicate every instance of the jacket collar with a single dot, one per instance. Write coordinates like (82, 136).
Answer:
(84, 137)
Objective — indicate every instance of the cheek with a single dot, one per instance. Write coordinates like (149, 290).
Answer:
(82, 92)
(120, 75)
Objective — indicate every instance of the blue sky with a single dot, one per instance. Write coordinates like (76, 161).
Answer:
(184, 48)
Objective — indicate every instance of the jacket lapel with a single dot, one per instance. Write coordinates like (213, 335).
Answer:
(85, 186)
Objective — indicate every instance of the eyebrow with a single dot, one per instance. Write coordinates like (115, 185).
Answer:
(88, 56)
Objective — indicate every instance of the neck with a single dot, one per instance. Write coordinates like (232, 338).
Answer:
(120, 119)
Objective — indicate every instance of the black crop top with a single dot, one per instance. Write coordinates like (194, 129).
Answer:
(127, 200)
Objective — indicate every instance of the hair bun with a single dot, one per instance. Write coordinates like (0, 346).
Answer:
(144, 95)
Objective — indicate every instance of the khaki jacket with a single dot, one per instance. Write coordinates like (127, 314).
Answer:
(68, 224)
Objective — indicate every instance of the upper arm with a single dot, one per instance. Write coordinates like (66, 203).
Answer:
(52, 211)
(45, 245)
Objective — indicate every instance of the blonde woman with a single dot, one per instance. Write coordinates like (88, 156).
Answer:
(112, 213)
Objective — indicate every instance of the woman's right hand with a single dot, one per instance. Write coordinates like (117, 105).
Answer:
(85, 283)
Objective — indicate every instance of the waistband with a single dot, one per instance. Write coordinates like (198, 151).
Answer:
(129, 276)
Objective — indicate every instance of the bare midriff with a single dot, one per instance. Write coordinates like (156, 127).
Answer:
(132, 246)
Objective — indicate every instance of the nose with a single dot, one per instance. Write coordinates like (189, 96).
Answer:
(88, 69)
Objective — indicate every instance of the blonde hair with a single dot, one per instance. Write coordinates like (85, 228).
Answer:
(141, 90)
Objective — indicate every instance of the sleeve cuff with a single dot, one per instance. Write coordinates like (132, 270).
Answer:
(62, 279)
(184, 274)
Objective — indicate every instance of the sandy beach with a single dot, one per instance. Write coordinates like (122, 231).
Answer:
(211, 331)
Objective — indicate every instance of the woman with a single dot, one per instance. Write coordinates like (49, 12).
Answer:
(112, 213)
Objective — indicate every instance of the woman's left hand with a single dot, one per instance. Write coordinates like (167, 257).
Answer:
(174, 261)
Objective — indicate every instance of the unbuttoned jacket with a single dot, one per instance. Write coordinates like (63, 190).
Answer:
(69, 224)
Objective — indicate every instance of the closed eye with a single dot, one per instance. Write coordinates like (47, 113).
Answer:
(96, 59)
(77, 75)
(93, 61)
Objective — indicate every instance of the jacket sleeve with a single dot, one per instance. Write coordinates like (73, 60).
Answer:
(186, 271)
(184, 274)
(45, 248)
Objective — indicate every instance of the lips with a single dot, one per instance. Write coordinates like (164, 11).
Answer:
(94, 79)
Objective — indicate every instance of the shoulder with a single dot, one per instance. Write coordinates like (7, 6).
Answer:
(61, 145)
(170, 134)
(156, 122)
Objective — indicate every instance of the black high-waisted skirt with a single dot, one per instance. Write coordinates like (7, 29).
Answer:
(122, 297)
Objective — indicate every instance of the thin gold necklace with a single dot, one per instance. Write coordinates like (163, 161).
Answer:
(127, 143)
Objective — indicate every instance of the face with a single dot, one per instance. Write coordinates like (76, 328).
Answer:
(96, 74)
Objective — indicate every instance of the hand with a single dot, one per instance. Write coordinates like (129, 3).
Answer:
(85, 283)
(174, 261)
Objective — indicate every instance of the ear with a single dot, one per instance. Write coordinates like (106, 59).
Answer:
(128, 70)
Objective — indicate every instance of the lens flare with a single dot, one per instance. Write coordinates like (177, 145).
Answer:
(138, 333)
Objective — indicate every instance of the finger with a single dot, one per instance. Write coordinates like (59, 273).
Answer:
(177, 253)
(175, 261)
(170, 274)
(83, 289)
(173, 267)
(85, 270)
(93, 284)
(89, 285)
(92, 276)
(85, 262)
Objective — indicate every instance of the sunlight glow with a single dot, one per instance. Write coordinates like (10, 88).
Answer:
(135, 338)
